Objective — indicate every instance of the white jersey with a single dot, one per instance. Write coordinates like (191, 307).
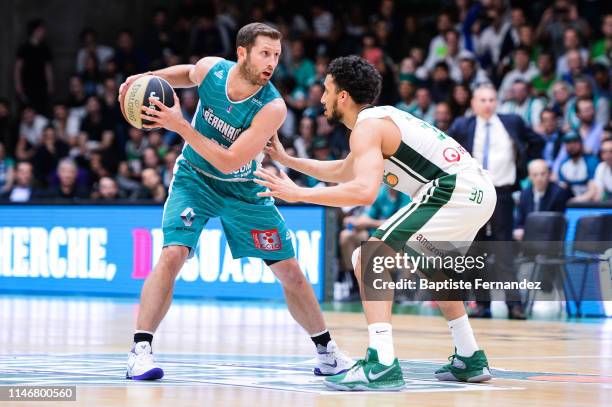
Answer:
(426, 153)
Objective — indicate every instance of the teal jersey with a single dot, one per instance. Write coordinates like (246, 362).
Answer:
(223, 120)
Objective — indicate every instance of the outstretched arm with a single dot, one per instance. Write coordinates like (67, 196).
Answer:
(362, 189)
(329, 171)
(227, 160)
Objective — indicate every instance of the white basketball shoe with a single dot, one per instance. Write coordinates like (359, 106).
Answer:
(330, 361)
(140, 364)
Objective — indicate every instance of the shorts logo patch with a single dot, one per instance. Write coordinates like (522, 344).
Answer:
(188, 215)
(267, 239)
(390, 179)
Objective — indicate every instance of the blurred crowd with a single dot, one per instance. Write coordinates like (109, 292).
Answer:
(550, 64)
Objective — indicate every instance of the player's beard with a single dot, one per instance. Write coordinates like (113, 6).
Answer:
(248, 73)
(336, 116)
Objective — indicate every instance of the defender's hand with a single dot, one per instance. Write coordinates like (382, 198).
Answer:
(275, 150)
(279, 187)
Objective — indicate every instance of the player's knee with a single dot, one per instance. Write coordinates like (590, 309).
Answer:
(290, 275)
(172, 259)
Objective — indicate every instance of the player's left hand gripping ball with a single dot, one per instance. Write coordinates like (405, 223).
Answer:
(169, 118)
(279, 187)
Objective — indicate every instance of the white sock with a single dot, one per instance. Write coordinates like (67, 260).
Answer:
(381, 339)
(463, 336)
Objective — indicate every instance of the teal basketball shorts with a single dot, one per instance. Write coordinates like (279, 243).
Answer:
(253, 225)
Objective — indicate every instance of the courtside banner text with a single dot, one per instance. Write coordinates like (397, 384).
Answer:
(111, 250)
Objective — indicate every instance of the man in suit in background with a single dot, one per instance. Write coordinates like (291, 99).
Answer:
(541, 195)
(503, 144)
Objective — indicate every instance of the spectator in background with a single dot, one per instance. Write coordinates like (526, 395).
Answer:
(524, 70)
(130, 60)
(302, 141)
(584, 90)
(107, 190)
(571, 42)
(300, 68)
(90, 46)
(206, 37)
(407, 91)
(552, 134)
(561, 94)
(450, 57)
(460, 100)
(167, 172)
(575, 67)
(126, 181)
(65, 124)
(541, 195)
(471, 74)
(441, 83)
(522, 103)
(424, 108)
(513, 39)
(67, 189)
(603, 46)
(22, 190)
(7, 171)
(134, 149)
(437, 46)
(8, 128)
(577, 171)
(76, 97)
(152, 188)
(97, 125)
(156, 142)
(492, 37)
(589, 130)
(30, 133)
(48, 155)
(150, 159)
(601, 77)
(555, 20)
(603, 172)
(91, 76)
(545, 78)
(157, 38)
(443, 117)
(33, 74)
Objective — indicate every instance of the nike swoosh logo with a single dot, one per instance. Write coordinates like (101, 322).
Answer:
(374, 376)
(330, 365)
(379, 332)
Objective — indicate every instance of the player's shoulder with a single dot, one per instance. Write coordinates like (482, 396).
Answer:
(203, 66)
(275, 109)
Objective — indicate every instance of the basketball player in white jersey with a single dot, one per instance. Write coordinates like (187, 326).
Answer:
(452, 199)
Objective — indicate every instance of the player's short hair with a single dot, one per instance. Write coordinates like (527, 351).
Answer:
(248, 34)
(356, 76)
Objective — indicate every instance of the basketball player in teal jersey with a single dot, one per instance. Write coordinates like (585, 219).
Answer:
(239, 110)
(452, 198)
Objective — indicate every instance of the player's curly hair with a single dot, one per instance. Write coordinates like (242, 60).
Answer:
(356, 76)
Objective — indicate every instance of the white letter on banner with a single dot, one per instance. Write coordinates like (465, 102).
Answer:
(98, 269)
(5, 251)
(210, 254)
(77, 252)
(21, 265)
(189, 272)
(308, 254)
(267, 275)
(57, 265)
(252, 270)
(231, 267)
(39, 266)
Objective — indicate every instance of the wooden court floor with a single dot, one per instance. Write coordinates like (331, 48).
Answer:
(253, 354)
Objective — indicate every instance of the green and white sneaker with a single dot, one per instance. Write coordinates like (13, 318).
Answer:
(472, 369)
(369, 374)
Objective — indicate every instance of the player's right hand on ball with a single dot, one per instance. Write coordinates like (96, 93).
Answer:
(275, 149)
(125, 85)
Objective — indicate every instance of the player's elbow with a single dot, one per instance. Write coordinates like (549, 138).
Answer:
(367, 196)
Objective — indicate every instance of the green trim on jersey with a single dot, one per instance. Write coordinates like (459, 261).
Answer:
(223, 120)
(415, 165)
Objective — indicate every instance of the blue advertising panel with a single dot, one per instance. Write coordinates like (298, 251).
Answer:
(111, 250)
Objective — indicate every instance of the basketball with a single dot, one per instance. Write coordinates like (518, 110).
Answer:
(138, 94)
